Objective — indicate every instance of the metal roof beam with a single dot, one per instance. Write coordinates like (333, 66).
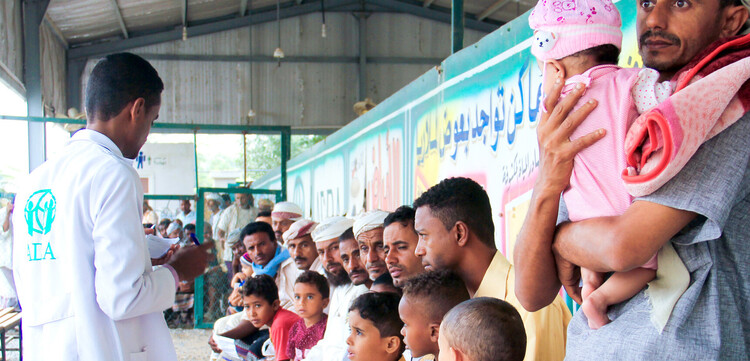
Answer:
(492, 9)
(243, 7)
(56, 30)
(184, 8)
(291, 59)
(288, 10)
(118, 15)
(438, 14)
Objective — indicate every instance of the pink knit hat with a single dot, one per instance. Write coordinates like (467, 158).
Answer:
(565, 27)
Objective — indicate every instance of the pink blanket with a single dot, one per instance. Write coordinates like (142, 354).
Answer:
(713, 92)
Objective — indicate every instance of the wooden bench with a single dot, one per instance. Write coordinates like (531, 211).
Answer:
(9, 319)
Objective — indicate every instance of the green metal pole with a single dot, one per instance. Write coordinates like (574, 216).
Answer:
(457, 25)
(195, 157)
(286, 145)
(199, 291)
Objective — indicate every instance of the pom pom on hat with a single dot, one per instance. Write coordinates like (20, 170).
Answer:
(565, 27)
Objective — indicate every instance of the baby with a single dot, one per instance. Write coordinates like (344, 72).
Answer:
(578, 41)
(482, 329)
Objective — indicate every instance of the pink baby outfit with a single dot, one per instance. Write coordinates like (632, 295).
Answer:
(596, 189)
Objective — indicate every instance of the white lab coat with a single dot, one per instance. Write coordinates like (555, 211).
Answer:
(84, 276)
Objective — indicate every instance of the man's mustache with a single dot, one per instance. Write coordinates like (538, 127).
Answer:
(658, 34)
(299, 258)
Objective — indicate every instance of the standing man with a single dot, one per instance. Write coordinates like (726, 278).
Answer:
(327, 237)
(400, 241)
(703, 211)
(81, 260)
(456, 232)
(368, 231)
(299, 242)
(213, 202)
(282, 217)
(186, 215)
(238, 215)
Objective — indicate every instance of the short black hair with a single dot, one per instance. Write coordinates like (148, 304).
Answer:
(602, 54)
(165, 222)
(382, 310)
(461, 199)
(117, 80)
(437, 292)
(386, 280)
(725, 3)
(403, 215)
(263, 214)
(316, 279)
(261, 286)
(347, 235)
(486, 318)
(256, 227)
(191, 227)
(226, 197)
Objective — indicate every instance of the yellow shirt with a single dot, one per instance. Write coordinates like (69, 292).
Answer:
(545, 329)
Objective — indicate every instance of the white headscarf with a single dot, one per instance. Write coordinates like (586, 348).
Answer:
(331, 228)
(287, 210)
(368, 221)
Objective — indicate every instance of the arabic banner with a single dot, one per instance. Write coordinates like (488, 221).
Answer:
(474, 116)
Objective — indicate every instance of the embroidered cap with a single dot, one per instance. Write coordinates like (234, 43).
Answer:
(565, 27)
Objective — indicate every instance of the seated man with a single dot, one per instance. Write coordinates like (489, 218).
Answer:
(456, 232)
(327, 237)
(282, 217)
(299, 242)
(368, 231)
(399, 241)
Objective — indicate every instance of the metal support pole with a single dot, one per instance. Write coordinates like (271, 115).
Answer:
(195, 157)
(457, 25)
(73, 83)
(286, 145)
(199, 289)
(362, 19)
(33, 14)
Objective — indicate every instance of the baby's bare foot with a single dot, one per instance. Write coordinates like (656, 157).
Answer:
(595, 311)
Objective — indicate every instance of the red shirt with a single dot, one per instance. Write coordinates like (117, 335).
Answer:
(282, 322)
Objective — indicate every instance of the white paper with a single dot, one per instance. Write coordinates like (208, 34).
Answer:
(226, 345)
(157, 246)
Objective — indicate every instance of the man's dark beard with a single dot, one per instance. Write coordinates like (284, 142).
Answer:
(338, 280)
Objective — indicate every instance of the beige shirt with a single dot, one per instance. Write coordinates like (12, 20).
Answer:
(545, 329)
(285, 277)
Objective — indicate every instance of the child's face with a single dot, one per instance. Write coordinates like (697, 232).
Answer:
(259, 310)
(365, 343)
(417, 330)
(308, 301)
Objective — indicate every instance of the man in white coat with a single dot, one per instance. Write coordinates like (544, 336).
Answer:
(81, 262)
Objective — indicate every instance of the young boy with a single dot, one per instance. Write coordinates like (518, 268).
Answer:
(311, 293)
(427, 298)
(375, 328)
(482, 329)
(260, 295)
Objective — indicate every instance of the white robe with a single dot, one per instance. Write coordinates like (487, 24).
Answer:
(81, 263)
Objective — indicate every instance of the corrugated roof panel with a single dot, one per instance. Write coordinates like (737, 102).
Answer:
(209, 9)
(410, 36)
(11, 44)
(84, 20)
(142, 15)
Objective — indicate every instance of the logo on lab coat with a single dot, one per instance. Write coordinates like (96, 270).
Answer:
(40, 212)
